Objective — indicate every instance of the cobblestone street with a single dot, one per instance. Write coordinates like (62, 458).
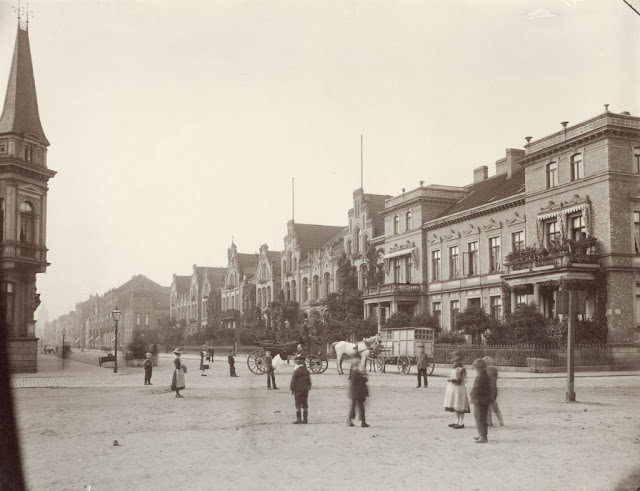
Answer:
(232, 432)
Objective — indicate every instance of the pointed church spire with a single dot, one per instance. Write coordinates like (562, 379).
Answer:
(20, 114)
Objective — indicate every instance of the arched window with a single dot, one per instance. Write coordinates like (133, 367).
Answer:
(288, 291)
(289, 261)
(269, 299)
(348, 247)
(577, 167)
(147, 319)
(26, 222)
(305, 290)
(315, 293)
(138, 318)
(293, 290)
(356, 241)
(552, 174)
(327, 284)
(363, 276)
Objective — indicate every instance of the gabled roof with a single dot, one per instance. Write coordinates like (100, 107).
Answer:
(20, 114)
(216, 276)
(247, 263)
(275, 259)
(495, 188)
(311, 237)
(183, 283)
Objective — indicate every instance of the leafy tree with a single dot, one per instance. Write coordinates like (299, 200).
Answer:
(474, 321)
(426, 320)
(527, 325)
(371, 257)
(347, 275)
(398, 319)
(448, 337)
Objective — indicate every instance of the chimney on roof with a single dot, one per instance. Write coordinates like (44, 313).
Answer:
(480, 174)
(509, 164)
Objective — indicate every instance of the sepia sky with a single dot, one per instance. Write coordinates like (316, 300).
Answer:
(176, 126)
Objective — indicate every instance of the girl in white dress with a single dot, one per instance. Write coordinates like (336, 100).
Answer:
(455, 395)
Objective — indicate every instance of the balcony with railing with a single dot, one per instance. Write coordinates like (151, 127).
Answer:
(395, 289)
(566, 254)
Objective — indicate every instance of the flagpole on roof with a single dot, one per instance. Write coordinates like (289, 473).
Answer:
(361, 161)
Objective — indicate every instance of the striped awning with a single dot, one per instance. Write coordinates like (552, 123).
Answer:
(401, 252)
(564, 211)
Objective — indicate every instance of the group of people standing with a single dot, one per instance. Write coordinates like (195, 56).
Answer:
(483, 395)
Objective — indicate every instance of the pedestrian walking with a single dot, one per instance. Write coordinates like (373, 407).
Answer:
(481, 398)
(271, 375)
(422, 362)
(492, 372)
(300, 386)
(358, 393)
(455, 395)
(148, 368)
(232, 364)
(178, 384)
(203, 355)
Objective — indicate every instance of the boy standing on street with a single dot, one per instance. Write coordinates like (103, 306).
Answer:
(481, 399)
(300, 386)
(148, 367)
(358, 392)
(271, 376)
(422, 362)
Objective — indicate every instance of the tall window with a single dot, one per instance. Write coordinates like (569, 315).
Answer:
(577, 167)
(494, 254)
(636, 160)
(396, 270)
(454, 262)
(409, 268)
(636, 231)
(138, 319)
(552, 174)
(289, 261)
(577, 227)
(471, 262)
(293, 291)
(495, 306)
(552, 234)
(26, 222)
(396, 224)
(9, 299)
(316, 288)
(365, 243)
(435, 265)
(407, 221)
(348, 248)
(517, 241)
(28, 153)
(327, 284)
(147, 319)
(455, 311)
(436, 312)
(356, 241)
(287, 288)
(305, 290)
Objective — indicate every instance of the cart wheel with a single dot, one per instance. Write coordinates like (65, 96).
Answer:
(255, 362)
(404, 364)
(314, 363)
(324, 364)
(380, 363)
(431, 365)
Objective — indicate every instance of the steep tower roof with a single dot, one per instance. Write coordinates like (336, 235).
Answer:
(20, 114)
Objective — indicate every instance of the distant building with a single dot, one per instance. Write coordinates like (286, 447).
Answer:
(24, 178)
(190, 296)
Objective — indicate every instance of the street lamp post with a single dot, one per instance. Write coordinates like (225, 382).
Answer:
(116, 317)
(64, 331)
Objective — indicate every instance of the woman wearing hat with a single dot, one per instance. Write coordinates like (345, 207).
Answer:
(177, 384)
(455, 395)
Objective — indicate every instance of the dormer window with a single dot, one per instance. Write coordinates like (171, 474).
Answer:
(28, 153)
(26, 222)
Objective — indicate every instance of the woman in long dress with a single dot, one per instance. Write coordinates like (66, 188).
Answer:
(177, 384)
(455, 396)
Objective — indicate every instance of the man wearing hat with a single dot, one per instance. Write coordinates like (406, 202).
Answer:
(300, 386)
(148, 367)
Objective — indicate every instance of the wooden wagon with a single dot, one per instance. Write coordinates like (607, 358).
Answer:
(400, 346)
(315, 362)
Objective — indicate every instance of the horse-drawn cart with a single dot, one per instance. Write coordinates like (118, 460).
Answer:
(400, 346)
(315, 362)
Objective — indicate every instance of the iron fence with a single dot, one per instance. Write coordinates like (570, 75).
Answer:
(533, 356)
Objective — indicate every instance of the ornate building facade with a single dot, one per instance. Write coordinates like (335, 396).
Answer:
(24, 178)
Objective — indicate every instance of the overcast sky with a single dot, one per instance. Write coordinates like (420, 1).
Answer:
(176, 126)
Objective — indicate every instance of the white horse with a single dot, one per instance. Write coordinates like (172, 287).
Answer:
(361, 348)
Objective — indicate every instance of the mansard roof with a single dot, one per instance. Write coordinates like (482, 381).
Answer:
(490, 190)
(311, 236)
(20, 114)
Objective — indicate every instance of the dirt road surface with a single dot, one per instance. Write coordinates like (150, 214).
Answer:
(231, 433)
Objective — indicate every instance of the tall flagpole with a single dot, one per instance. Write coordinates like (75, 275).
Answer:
(361, 162)
(293, 200)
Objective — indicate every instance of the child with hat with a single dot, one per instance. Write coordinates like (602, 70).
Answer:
(300, 386)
